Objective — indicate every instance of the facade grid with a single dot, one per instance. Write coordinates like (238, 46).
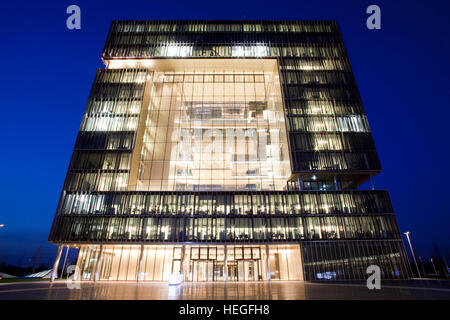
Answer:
(226, 151)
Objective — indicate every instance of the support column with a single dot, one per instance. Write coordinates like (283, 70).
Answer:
(371, 183)
(183, 248)
(98, 262)
(65, 259)
(139, 272)
(300, 184)
(336, 183)
(56, 264)
(225, 272)
(267, 262)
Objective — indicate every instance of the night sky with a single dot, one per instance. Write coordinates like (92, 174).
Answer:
(47, 70)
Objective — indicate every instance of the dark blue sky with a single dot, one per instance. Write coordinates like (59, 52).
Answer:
(47, 71)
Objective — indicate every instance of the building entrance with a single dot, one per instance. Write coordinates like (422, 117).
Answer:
(202, 270)
(215, 263)
(245, 270)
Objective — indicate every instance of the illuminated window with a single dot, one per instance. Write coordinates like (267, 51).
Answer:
(178, 51)
(250, 51)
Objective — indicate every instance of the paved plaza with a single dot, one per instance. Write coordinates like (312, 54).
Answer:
(276, 290)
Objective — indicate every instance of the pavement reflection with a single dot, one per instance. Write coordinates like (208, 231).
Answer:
(286, 290)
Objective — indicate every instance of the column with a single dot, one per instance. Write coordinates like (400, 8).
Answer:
(300, 184)
(139, 274)
(336, 183)
(267, 262)
(183, 248)
(56, 264)
(98, 263)
(65, 259)
(225, 272)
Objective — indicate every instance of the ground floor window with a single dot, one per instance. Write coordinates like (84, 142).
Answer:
(196, 262)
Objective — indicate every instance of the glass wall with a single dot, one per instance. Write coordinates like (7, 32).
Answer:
(221, 128)
(284, 262)
(214, 229)
(225, 203)
(196, 263)
(314, 72)
(330, 260)
(340, 260)
(220, 217)
(102, 156)
(237, 140)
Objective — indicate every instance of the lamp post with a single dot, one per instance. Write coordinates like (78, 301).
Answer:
(434, 267)
(412, 251)
(2, 225)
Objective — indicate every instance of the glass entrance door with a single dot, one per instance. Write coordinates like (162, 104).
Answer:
(248, 270)
(218, 271)
(252, 270)
(210, 263)
(203, 270)
(232, 272)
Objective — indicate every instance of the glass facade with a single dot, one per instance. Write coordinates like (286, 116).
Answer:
(196, 263)
(226, 151)
(218, 129)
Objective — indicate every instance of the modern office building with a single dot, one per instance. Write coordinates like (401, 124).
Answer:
(226, 151)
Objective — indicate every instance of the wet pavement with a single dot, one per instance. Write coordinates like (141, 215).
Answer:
(276, 290)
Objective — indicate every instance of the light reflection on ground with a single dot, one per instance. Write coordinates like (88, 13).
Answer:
(277, 290)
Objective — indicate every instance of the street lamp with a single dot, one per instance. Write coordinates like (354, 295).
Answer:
(412, 251)
(2, 225)
(434, 267)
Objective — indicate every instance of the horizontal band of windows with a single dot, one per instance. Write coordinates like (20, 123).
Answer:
(316, 93)
(110, 123)
(322, 142)
(105, 141)
(225, 203)
(117, 91)
(306, 45)
(113, 107)
(320, 77)
(101, 171)
(225, 229)
(311, 161)
(121, 76)
(208, 26)
(101, 181)
(89, 160)
(313, 64)
(353, 123)
(324, 107)
(248, 50)
(219, 214)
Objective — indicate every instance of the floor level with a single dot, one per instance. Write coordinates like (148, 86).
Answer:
(196, 263)
(267, 290)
